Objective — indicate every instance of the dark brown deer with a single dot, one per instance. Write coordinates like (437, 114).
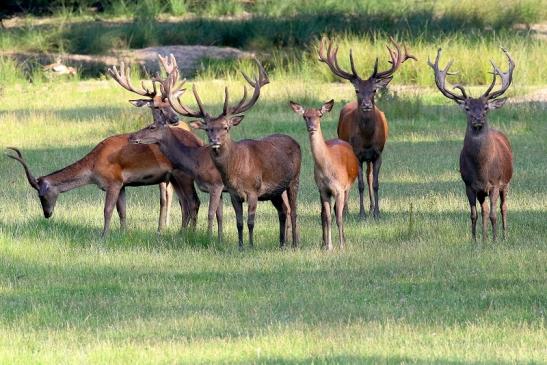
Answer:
(486, 160)
(361, 122)
(112, 165)
(335, 170)
(161, 110)
(251, 170)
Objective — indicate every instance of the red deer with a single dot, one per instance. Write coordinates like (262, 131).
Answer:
(193, 159)
(486, 159)
(161, 110)
(335, 170)
(112, 165)
(361, 122)
(251, 170)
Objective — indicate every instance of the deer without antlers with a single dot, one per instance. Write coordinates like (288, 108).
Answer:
(335, 170)
(486, 159)
(251, 170)
(361, 123)
(157, 101)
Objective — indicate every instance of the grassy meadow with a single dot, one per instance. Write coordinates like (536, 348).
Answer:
(409, 288)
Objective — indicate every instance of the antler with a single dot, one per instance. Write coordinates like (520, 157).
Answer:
(174, 93)
(332, 61)
(31, 179)
(242, 106)
(122, 77)
(397, 59)
(506, 78)
(440, 78)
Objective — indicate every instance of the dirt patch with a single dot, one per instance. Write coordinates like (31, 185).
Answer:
(188, 58)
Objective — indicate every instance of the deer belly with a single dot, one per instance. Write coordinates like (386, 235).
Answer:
(368, 154)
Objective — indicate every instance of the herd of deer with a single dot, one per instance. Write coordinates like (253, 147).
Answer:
(167, 153)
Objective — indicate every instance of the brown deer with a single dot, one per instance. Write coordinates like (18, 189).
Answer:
(361, 122)
(335, 170)
(251, 170)
(112, 165)
(486, 159)
(162, 111)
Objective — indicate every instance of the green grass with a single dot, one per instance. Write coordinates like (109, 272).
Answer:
(397, 294)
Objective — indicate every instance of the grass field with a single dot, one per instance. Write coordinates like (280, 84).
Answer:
(400, 293)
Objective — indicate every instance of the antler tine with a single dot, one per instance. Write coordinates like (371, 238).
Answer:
(440, 79)
(202, 111)
(261, 80)
(123, 79)
(169, 63)
(225, 107)
(397, 59)
(353, 70)
(332, 61)
(31, 179)
(506, 77)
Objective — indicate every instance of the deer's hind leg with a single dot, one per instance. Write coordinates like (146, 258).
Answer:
(494, 194)
(503, 204)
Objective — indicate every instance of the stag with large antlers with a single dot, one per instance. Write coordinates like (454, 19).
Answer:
(112, 165)
(361, 122)
(251, 170)
(486, 160)
(157, 101)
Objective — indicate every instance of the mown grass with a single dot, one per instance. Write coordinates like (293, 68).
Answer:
(399, 293)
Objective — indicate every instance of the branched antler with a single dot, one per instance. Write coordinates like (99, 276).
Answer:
(440, 79)
(506, 78)
(31, 179)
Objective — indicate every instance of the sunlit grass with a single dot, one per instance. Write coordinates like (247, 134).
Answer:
(400, 292)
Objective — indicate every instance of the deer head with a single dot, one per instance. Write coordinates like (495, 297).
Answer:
(47, 193)
(365, 89)
(475, 108)
(154, 99)
(218, 127)
(312, 116)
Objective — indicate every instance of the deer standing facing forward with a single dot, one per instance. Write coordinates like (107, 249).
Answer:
(361, 123)
(251, 170)
(335, 170)
(486, 160)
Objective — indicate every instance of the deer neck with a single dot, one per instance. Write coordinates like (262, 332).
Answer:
(367, 120)
(71, 177)
(223, 156)
(180, 155)
(476, 142)
(319, 148)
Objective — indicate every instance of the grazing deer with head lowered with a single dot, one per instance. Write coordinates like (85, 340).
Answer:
(251, 170)
(112, 165)
(486, 160)
(361, 123)
(335, 169)
(162, 111)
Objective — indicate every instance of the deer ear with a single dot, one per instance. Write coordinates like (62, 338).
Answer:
(141, 102)
(381, 83)
(236, 120)
(496, 103)
(327, 107)
(297, 108)
(197, 124)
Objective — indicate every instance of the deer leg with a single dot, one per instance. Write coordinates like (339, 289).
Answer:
(111, 199)
(472, 197)
(163, 207)
(346, 200)
(252, 201)
(287, 211)
(278, 203)
(120, 207)
(370, 179)
(168, 201)
(503, 203)
(339, 211)
(237, 203)
(494, 194)
(212, 211)
(361, 186)
(326, 222)
(376, 173)
(219, 215)
(189, 199)
(484, 212)
(292, 195)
